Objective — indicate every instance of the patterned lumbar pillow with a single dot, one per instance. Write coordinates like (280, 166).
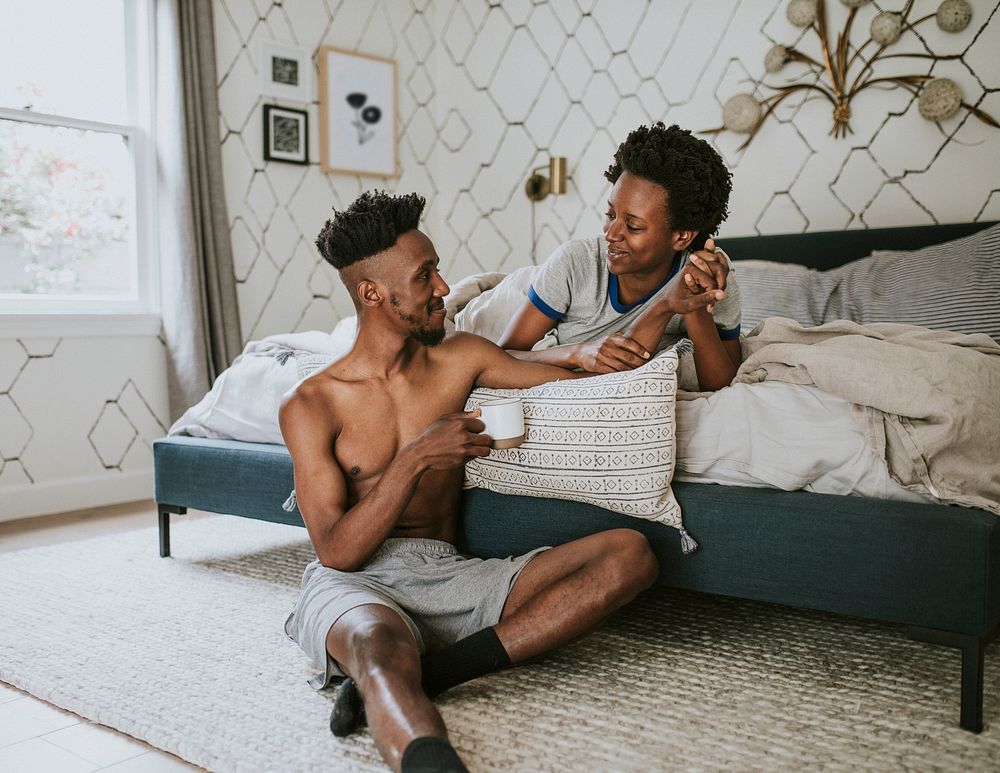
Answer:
(606, 440)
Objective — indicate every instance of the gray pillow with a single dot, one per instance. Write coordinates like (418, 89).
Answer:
(951, 286)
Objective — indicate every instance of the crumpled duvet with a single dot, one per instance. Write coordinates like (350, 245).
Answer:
(243, 402)
(929, 400)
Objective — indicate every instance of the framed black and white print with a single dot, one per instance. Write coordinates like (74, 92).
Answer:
(285, 72)
(357, 113)
(286, 135)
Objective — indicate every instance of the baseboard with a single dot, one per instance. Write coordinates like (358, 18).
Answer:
(27, 500)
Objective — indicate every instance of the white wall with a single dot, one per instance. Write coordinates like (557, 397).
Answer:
(486, 92)
(78, 416)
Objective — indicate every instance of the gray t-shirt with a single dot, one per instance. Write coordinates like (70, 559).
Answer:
(575, 288)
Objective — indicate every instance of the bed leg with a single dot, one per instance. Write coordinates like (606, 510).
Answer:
(164, 512)
(972, 648)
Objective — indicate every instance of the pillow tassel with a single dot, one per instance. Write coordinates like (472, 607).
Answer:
(688, 545)
(290, 503)
(283, 353)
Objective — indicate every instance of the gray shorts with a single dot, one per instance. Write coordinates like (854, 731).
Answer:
(442, 596)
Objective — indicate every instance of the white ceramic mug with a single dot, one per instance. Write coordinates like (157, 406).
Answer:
(504, 420)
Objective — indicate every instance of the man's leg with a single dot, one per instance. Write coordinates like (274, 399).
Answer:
(374, 646)
(560, 595)
(569, 590)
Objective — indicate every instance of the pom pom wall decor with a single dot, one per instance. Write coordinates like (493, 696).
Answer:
(886, 28)
(954, 15)
(844, 69)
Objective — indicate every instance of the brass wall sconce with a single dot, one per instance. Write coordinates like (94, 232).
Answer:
(539, 186)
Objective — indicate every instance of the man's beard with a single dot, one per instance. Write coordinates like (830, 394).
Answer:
(428, 336)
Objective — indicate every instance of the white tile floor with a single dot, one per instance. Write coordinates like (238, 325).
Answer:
(37, 737)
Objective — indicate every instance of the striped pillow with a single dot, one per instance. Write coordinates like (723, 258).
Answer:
(607, 440)
(951, 286)
(772, 289)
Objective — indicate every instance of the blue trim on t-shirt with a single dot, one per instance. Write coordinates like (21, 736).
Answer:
(729, 334)
(542, 306)
(613, 288)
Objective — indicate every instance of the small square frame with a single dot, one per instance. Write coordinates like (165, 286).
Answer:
(286, 134)
(286, 72)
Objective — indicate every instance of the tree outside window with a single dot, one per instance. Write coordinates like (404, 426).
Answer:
(64, 211)
(75, 168)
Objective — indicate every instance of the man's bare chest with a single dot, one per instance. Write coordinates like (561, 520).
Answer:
(379, 422)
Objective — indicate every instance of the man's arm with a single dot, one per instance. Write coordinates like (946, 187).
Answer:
(497, 369)
(345, 537)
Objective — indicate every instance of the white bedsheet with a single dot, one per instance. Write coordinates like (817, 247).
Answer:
(782, 436)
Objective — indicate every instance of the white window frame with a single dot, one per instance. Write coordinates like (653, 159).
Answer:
(42, 317)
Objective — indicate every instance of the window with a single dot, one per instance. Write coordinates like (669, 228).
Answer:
(76, 165)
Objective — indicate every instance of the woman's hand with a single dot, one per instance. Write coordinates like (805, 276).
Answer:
(611, 353)
(693, 289)
(711, 263)
(699, 285)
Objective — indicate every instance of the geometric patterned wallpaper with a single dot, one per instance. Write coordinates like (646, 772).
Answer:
(486, 91)
(77, 420)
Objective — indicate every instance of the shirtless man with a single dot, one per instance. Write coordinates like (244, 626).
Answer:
(379, 440)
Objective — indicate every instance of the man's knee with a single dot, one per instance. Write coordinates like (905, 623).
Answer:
(630, 560)
(378, 649)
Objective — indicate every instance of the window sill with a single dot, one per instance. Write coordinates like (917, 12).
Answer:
(69, 325)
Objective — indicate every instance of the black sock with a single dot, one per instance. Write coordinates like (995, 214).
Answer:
(431, 754)
(348, 713)
(475, 655)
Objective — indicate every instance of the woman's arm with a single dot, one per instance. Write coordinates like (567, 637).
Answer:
(525, 329)
(601, 355)
(691, 290)
(693, 294)
(716, 361)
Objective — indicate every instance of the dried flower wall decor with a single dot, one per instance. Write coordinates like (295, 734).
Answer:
(843, 71)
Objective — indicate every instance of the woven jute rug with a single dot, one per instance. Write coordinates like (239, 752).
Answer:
(188, 654)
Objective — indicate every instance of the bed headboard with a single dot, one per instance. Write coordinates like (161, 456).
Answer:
(828, 249)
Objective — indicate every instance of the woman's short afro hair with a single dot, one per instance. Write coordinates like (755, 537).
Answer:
(692, 172)
(372, 223)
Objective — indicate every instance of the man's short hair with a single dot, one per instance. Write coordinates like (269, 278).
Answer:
(371, 224)
(692, 172)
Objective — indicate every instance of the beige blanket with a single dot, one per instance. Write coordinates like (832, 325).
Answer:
(929, 400)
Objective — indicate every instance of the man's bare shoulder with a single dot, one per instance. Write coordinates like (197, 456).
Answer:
(466, 351)
(312, 401)
(469, 343)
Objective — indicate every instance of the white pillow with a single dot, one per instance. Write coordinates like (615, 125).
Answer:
(487, 314)
(606, 440)
(243, 402)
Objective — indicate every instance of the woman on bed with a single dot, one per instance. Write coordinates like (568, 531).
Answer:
(652, 279)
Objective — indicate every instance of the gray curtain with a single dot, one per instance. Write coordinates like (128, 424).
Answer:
(201, 325)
